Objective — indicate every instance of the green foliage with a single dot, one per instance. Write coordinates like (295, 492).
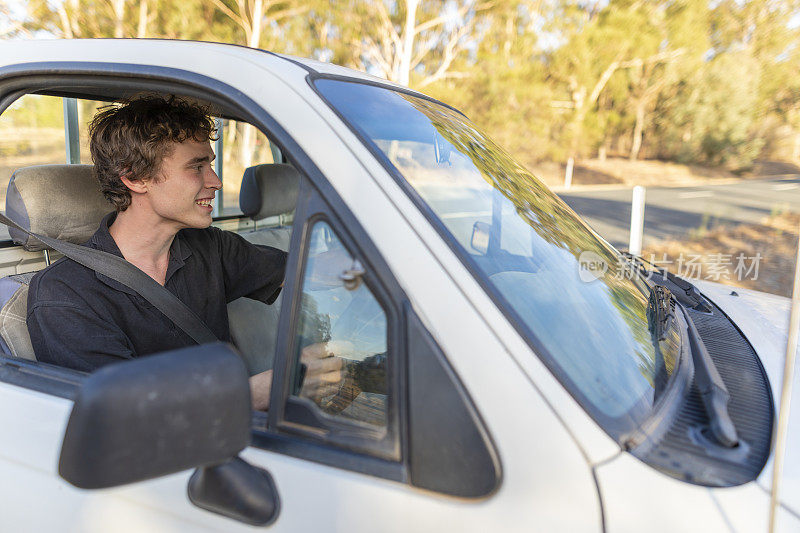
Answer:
(686, 80)
(34, 111)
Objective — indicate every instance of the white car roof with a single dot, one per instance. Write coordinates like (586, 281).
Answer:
(337, 70)
(165, 52)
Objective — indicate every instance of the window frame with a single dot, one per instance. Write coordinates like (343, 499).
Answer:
(18, 80)
(312, 209)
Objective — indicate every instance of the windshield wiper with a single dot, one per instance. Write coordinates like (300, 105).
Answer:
(687, 295)
(660, 318)
(714, 394)
(712, 389)
(660, 311)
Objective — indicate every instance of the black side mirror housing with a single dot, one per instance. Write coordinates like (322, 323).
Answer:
(157, 415)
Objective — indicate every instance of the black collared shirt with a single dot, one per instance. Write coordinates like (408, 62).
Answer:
(81, 319)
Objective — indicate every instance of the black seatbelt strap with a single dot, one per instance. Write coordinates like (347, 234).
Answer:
(124, 272)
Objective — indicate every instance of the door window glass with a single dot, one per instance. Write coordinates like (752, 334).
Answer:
(341, 338)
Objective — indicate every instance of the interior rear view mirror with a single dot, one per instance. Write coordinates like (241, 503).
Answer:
(480, 237)
(441, 149)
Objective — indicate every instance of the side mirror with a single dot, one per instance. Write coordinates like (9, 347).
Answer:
(157, 415)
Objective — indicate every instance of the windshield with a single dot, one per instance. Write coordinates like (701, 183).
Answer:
(582, 307)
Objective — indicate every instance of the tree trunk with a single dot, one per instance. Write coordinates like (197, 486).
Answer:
(141, 32)
(248, 143)
(119, 18)
(409, 32)
(66, 26)
(796, 150)
(256, 23)
(638, 129)
(577, 135)
(230, 136)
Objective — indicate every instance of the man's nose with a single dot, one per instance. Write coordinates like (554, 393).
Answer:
(213, 181)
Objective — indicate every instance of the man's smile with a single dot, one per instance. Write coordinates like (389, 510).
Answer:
(204, 202)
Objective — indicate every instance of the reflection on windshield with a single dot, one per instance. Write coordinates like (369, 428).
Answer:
(526, 243)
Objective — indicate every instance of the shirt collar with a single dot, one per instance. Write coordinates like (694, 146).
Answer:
(179, 251)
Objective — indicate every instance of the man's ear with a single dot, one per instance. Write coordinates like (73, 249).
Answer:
(135, 185)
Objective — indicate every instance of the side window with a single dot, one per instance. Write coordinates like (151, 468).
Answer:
(242, 146)
(341, 355)
(31, 133)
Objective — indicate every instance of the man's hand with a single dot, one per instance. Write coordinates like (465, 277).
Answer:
(260, 388)
(324, 369)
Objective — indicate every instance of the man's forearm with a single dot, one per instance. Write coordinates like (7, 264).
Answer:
(260, 390)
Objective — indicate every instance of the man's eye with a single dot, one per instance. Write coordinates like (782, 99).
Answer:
(199, 168)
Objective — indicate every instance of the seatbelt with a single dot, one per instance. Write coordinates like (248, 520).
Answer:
(124, 272)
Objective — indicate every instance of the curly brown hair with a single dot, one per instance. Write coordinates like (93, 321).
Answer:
(133, 137)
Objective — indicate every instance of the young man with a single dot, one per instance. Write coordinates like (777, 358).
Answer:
(153, 160)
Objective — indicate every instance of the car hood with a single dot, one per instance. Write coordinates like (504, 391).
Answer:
(764, 320)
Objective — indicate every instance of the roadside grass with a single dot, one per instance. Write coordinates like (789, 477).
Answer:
(753, 256)
(651, 172)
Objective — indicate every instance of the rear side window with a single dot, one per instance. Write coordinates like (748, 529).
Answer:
(31, 133)
(242, 146)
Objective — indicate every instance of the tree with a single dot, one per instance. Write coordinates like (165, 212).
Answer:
(252, 17)
(418, 36)
(583, 66)
(9, 27)
(504, 89)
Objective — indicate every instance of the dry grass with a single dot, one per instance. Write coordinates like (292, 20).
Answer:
(651, 173)
(775, 239)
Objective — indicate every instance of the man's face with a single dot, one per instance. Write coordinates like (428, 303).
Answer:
(184, 191)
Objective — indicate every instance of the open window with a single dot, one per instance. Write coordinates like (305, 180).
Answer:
(44, 121)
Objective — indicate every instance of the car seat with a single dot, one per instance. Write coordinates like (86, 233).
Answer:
(268, 195)
(59, 201)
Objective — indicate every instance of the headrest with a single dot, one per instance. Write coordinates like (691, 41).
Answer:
(268, 190)
(59, 201)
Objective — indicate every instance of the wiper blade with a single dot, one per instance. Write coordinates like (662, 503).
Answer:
(687, 295)
(712, 389)
(660, 311)
(660, 318)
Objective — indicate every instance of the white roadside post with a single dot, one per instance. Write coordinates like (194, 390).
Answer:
(637, 221)
(568, 173)
(786, 396)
